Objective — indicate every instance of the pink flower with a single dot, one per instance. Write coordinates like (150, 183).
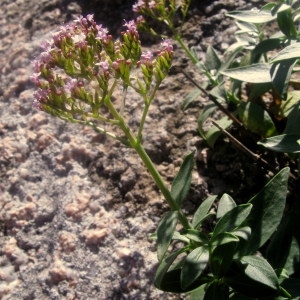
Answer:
(46, 45)
(101, 33)
(104, 65)
(41, 95)
(146, 56)
(131, 25)
(82, 21)
(140, 20)
(167, 45)
(90, 18)
(35, 78)
(36, 65)
(138, 6)
(71, 85)
(152, 4)
(36, 104)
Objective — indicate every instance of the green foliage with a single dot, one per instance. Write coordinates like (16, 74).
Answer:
(265, 64)
(182, 182)
(225, 250)
(224, 261)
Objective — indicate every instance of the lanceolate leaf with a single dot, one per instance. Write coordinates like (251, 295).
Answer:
(292, 126)
(256, 73)
(263, 47)
(289, 52)
(194, 264)
(289, 142)
(286, 23)
(267, 211)
(164, 267)
(202, 211)
(252, 276)
(232, 219)
(222, 251)
(191, 97)
(196, 235)
(253, 16)
(204, 115)
(256, 119)
(243, 232)
(281, 73)
(213, 133)
(225, 205)
(165, 232)
(260, 270)
(212, 61)
(286, 143)
(182, 182)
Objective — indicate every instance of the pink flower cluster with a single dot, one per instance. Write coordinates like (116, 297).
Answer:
(83, 55)
(144, 4)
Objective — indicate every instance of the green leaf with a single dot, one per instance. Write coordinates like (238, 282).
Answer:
(217, 291)
(245, 27)
(225, 205)
(214, 132)
(223, 249)
(256, 119)
(180, 237)
(204, 115)
(196, 236)
(287, 106)
(281, 73)
(171, 282)
(286, 143)
(260, 270)
(165, 232)
(194, 265)
(252, 16)
(258, 89)
(292, 264)
(289, 52)
(232, 219)
(243, 232)
(292, 126)
(286, 23)
(230, 55)
(287, 257)
(191, 97)
(197, 294)
(252, 276)
(255, 73)
(289, 142)
(182, 181)
(202, 211)
(212, 61)
(267, 211)
(263, 47)
(161, 272)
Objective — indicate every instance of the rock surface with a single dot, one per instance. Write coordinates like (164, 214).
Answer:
(76, 207)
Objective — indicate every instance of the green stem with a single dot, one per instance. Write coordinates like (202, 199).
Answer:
(185, 48)
(161, 185)
(143, 119)
(148, 101)
(136, 144)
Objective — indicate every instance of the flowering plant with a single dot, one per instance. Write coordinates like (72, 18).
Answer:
(76, 77)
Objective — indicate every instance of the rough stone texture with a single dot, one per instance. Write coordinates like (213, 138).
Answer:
(76, 207)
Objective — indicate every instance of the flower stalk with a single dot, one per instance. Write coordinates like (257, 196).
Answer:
(80, 69)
